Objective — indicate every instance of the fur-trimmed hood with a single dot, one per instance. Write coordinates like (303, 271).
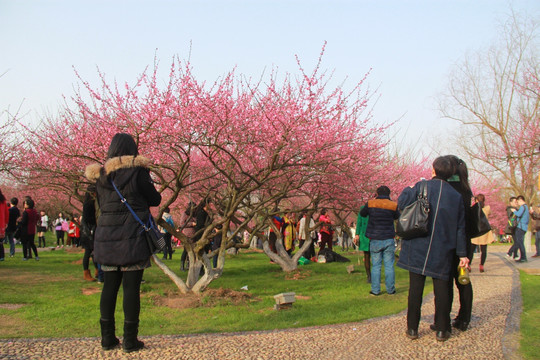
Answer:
(93, 171)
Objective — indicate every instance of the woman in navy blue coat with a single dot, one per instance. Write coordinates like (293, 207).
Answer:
(432, 255)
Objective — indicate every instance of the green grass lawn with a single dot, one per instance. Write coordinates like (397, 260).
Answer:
(48, 298)
(530, 326)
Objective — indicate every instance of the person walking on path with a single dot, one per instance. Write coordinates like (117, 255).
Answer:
(488, 238)
(362, 241)
(4, 220)
(381, 232)
(535, 214)
(118, 245)
(432, 255)
(523, 223)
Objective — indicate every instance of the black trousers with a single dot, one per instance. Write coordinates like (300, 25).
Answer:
(28, 246)
(167, 252)
(272, 238)
(465, 294)
(442, 302)
(131, 285)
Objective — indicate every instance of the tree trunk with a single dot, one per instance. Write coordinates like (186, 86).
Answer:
(282, 258)
(179, 282)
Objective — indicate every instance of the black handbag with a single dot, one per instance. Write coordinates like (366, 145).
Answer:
(479, 222)
(154, 237)
(413, 221)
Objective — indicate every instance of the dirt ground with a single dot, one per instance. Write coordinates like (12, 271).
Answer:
(210, 298)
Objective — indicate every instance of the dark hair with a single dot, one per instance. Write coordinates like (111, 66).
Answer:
(521, 197)
(167, 209)
(481, 199)
(2, 197)
(190, 208)
(122, 144)
(29, 202)
(14, 201)
(460, 169)
(512, 199)
(323, 211)
(204, 202)
(383, 190)
(443, 166)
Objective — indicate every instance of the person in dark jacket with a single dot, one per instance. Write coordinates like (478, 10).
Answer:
(14, 214)
(381, 232)
(119, 245)
(460, 182)
(432, 255)
(88, 228)
(28, 226)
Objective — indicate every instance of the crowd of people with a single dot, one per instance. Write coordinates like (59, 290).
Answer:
(109, 234)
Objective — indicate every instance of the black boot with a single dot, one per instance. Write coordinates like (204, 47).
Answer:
(108, 339)
(131, 343)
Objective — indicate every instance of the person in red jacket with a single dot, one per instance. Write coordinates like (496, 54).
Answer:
(74, 232)
(28, 224)
(4, 219)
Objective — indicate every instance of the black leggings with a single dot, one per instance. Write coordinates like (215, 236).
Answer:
(483, 250)
(59, 236)
(86, 259)
(131, 284)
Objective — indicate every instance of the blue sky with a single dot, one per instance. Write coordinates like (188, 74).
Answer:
(409, 45)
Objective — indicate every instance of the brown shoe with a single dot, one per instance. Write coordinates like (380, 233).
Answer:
(87, 276)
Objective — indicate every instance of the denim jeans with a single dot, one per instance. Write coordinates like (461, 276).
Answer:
(382, 250)
(11, 240)
(520, 243)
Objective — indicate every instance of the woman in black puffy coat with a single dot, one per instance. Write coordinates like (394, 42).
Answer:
(119, 246)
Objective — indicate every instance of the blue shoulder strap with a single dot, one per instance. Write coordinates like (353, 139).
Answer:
(124, 201)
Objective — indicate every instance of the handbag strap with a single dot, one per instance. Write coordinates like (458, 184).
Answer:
(423, 189)
(124, 201)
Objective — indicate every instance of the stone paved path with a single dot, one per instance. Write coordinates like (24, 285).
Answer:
(493, 334)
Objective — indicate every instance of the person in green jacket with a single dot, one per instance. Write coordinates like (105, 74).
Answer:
(362, 242)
